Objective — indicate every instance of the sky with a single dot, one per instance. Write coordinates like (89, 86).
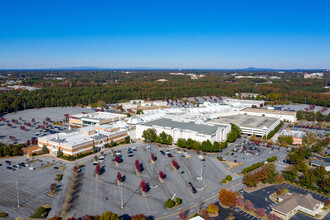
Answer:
(282, 34)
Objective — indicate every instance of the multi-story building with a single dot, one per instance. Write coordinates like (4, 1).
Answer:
(73, 142)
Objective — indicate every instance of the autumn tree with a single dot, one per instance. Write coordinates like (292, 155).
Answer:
(227, 197)
(248, 205)
(213, 208)
(260, 212)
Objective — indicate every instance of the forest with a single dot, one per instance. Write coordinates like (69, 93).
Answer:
(86, 87)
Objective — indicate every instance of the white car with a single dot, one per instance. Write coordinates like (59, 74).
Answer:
(118, 153)
(200, 157)
(180, 152)
(32, 168)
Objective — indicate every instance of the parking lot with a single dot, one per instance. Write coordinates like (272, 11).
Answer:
(97, 195)
(260, 198)
(39, 115)
(251, 153)
(33, 186)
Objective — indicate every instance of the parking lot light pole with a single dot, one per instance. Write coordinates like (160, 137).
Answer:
(17, 194)
(121, 196)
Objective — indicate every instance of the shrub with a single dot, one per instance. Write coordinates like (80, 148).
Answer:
(213, 208)
(3, 214)
(58, 177)
(223, 181)
(229, 178)
(169, 203)
(178, 201)
(252, 167)
(272, 159)
(41, 212)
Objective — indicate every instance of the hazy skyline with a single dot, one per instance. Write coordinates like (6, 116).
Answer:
(165, 34)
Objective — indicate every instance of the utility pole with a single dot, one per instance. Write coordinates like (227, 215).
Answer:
(17, 194)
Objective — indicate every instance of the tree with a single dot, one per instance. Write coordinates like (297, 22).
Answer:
(227, 197)
(119, 177)
(181, 142)
(161, 174)
(59, 152)
(169, 203)
(213, 208)
(106, 216)
(272, 216)
(182, 215)
(97, 169)
(101, 104)
(94, 149)
(143, 186)
(53, 187)
(175, 164)
(248, 205)
(137, 165)
(153, 158)
(117, 159)
(229, 178)
(45, 149)
(239, 201)
(127, 139)
(260, 212)
(149, 135)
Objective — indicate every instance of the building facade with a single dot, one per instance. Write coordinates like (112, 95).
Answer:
(82, 140)
(186, 129)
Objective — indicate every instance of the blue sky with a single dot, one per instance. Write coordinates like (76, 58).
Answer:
(165, 33)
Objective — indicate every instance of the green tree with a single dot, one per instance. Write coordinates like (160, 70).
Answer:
(59, 152)
(94, 148)
(181, 142)
(149, 135)
(45, 149)
(127, 139)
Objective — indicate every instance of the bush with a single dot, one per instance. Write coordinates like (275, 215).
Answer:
(271, 134)
(272, 159)
(58, 177)
(213, 208)
(223, 181)
(169, 203)
(41, 212)
(229, 178)
(3, 214)
(252, 167)
(178, 201)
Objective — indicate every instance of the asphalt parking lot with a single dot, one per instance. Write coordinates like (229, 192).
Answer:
(260, 198)
(263, 154)
(97, 195)
(55, 114)
(33, 186)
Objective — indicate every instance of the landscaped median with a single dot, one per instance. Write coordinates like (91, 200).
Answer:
(170, 203)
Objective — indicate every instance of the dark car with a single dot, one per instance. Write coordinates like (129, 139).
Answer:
(169, 155)
(9, 168)
(191, 186)
(162, 152)
(56, 168)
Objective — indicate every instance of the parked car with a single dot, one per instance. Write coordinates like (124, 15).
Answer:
(191, 186)
(56, 168)
(130, 154)
(32, 168)
(162, 152)
(118, 153)
(169, 155)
